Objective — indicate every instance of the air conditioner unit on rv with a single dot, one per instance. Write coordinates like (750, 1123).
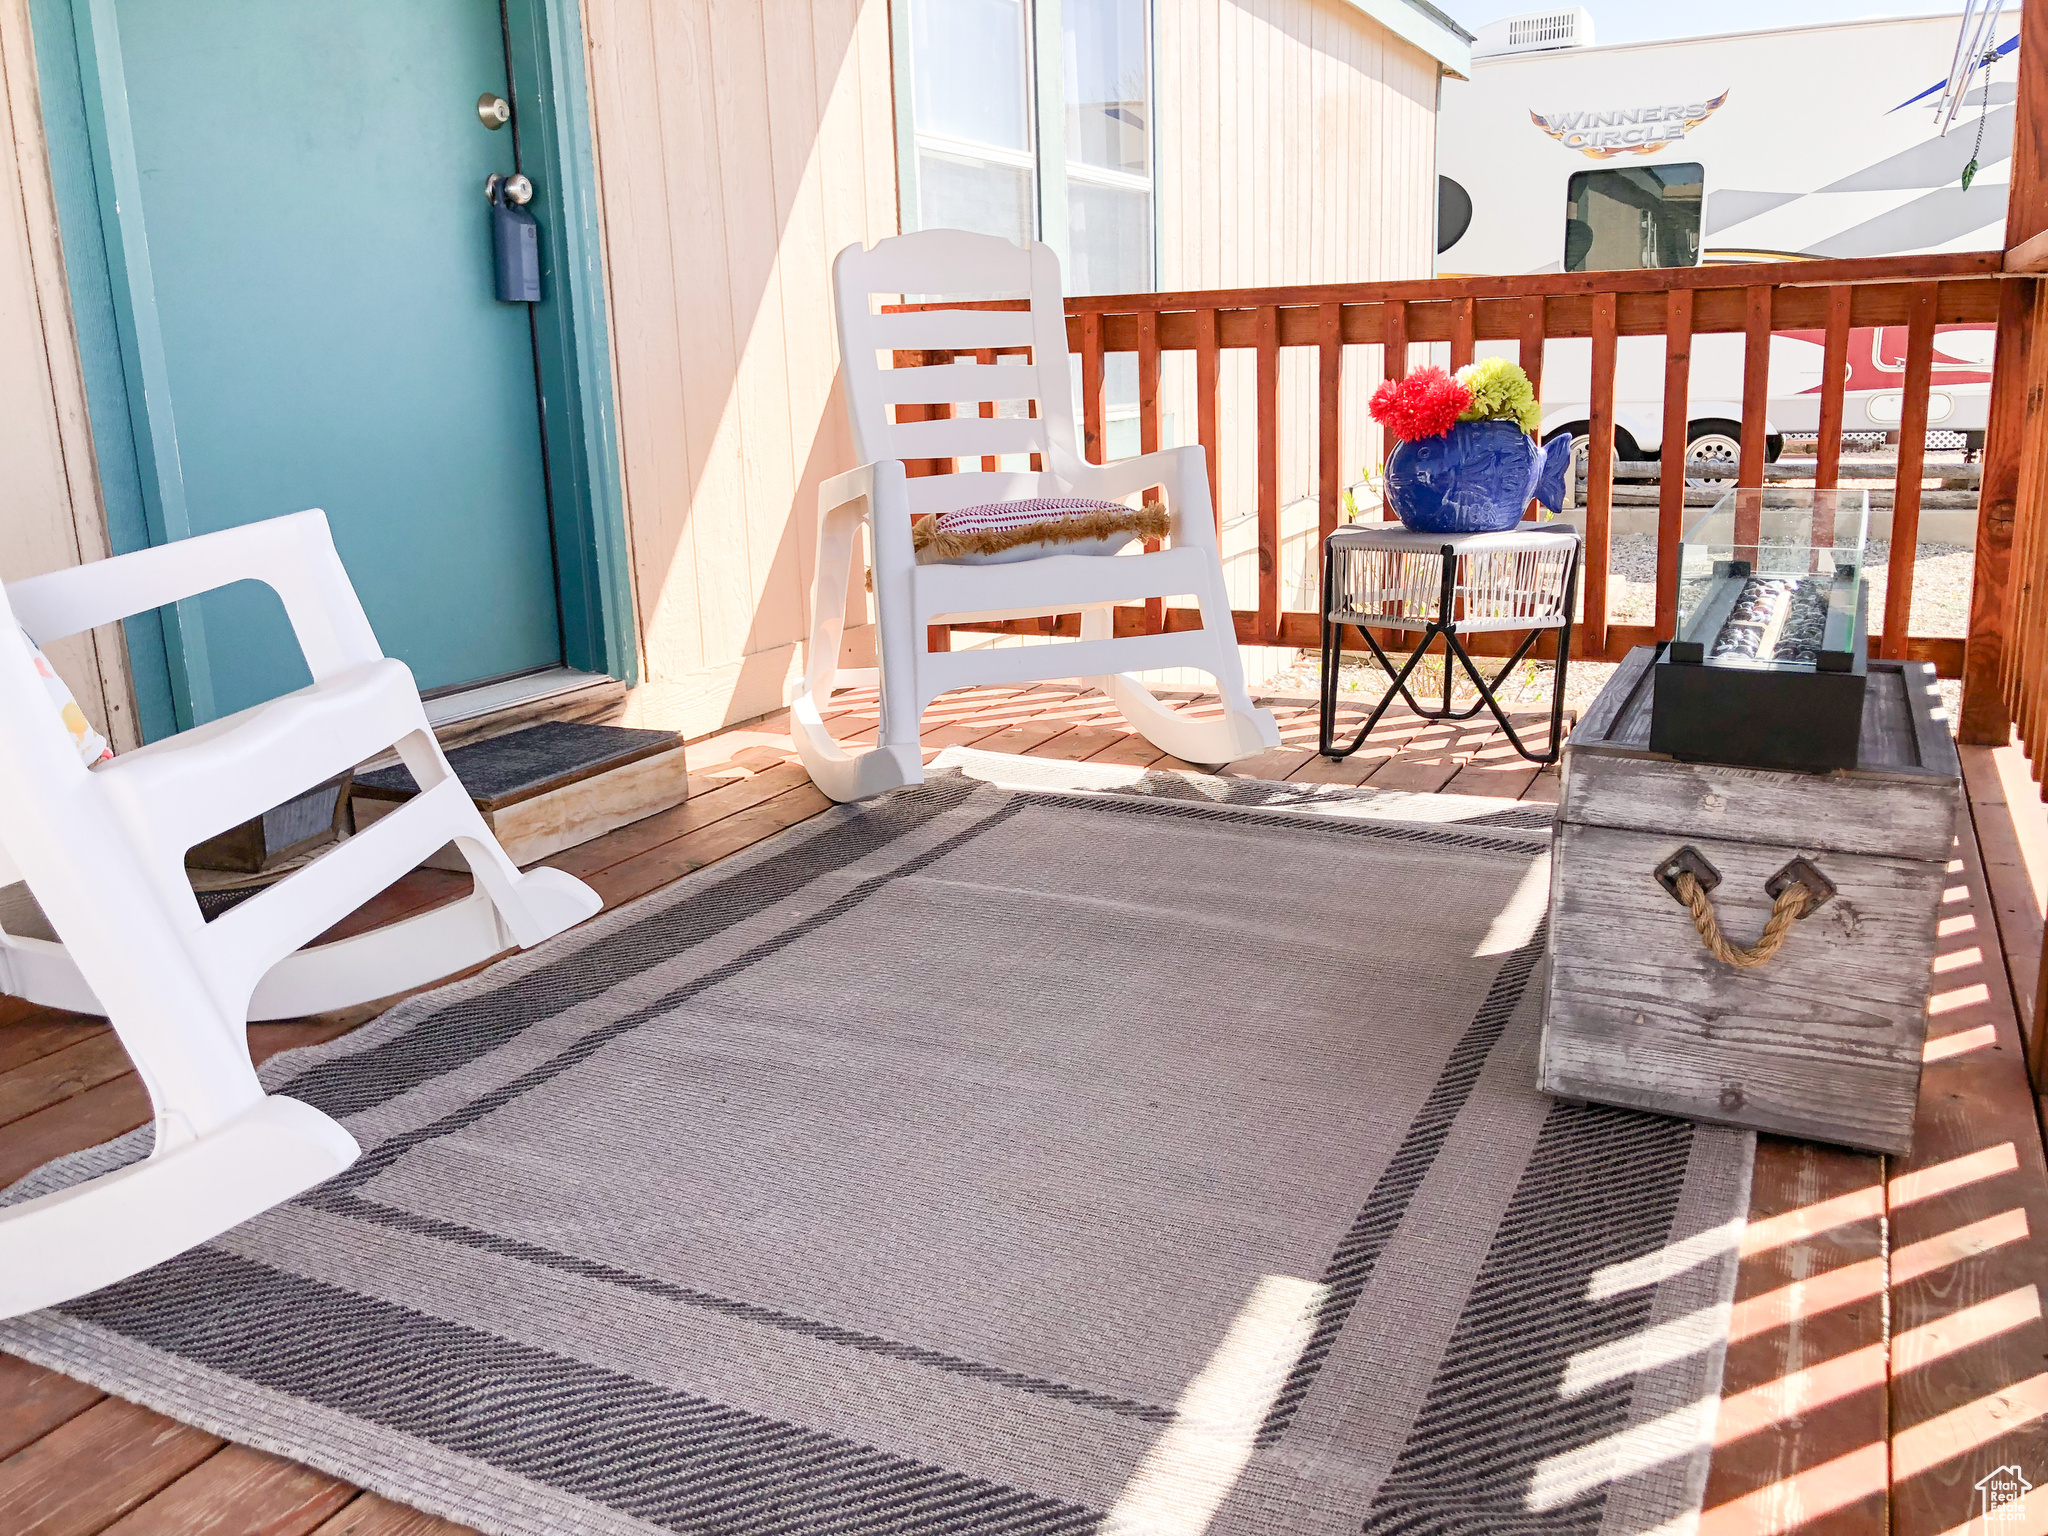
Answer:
(1536, 32)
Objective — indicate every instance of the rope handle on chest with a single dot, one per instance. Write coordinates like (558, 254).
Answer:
(1796, 891)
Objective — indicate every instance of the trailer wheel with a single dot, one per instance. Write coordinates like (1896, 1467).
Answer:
(1582, 442)
(1713, 454)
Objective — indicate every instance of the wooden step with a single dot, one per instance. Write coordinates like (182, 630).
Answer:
(547, 787)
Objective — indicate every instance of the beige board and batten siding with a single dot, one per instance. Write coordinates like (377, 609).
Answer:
(740, 145)
(50, 512)
(1297, 145)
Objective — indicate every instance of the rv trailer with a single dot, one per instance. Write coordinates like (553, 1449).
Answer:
(1798, 144)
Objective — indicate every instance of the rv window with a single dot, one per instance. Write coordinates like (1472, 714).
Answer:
(1624, 220)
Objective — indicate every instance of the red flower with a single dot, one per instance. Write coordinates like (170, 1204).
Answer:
(1425, 404)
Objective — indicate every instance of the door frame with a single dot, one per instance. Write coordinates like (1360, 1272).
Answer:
(82, 83)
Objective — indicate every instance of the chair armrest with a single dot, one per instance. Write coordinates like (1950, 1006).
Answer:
(1183, 471)
(880, 486)
(851, 486)
(294, 555)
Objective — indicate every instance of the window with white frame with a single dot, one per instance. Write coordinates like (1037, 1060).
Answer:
(977, 163)
(1108, 92)
(1033, 119)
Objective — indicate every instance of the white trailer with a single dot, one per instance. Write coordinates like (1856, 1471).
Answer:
(1790, 145)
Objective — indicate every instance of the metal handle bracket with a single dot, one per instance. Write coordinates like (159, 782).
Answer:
(1820, 890)
(1688, 860)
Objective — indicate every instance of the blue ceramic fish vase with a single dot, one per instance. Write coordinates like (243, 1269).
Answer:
(1479, 477)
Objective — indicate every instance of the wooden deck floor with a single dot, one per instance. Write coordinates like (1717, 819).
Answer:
(1888, 1347)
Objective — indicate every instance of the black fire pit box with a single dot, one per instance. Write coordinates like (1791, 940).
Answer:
(1771, 660)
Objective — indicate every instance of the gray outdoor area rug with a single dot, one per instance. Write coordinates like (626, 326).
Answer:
(1044, 1149)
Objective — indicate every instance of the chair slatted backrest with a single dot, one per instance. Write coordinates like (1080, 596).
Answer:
(1017, 364)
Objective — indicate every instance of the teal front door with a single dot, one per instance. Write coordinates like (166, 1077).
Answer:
(320, 272)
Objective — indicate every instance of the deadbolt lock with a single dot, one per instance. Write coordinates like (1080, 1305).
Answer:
(494, 109)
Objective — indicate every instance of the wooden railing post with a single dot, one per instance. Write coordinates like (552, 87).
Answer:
(1208, 381)
(1671, 468)
(1985, 719)
(987, 356)
(1600, 475)
(1834, 379)
(1756, 391)
(1269, 473)
(1905, 543)
(1464, 326)
(1329, 419)
(1394, 339)
(1148, 437)
(1529, 345)
(2012, 616)
(1091, 388)
(2029, 593)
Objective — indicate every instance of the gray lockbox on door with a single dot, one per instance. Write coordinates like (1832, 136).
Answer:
(515, 242)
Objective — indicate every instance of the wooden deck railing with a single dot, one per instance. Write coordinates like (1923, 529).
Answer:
(1831, 297)
(2018, 562)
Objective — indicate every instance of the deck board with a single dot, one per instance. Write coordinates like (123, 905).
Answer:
(34, 1401)
(1963, 1405)
(1816, 1403)
(1797, 1393)
(93, 1468)
(239, 1491)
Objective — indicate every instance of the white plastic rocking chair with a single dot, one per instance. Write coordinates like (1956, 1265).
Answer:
(103, 851)
(909, 596)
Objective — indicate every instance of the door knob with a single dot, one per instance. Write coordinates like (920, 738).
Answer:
(494, 109)
(517, 188)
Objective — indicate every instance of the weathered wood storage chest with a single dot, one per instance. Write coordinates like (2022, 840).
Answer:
(1825, 1039)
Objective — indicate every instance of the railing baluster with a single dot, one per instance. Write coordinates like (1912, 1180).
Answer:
(1464, 327)
(1530, 355)
(1533, 318)
(1600, 475)
(1394, 336)
(1985, 720)
(1148, 436)
(1269, 473)
(1208, 381)
(937, 637)
(1091, 388)
(1329, 418)
(2031, 500)
(989, 461)
(1898, 596)
(920, 412)
(1834, 378)
(1756, 390)
(2014, 429)
(1671, 468)
(2021, 663)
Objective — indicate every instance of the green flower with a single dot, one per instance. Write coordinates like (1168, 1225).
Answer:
(1500, 391)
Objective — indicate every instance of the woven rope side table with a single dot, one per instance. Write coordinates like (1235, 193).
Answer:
(1384, 576)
